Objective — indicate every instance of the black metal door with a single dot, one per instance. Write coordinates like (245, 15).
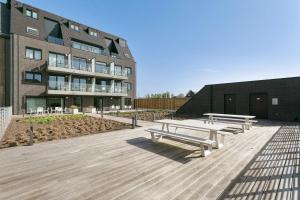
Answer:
(259, 105)
(230, 104)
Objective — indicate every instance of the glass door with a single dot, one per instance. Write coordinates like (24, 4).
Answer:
(77, 101)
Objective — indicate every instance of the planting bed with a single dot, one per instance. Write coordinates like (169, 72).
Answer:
(47, 128)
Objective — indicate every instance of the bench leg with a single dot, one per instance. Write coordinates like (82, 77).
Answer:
(243, 128)
(155, 138)
(205, 152)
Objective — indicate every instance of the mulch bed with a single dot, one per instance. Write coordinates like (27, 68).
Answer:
(17, 134)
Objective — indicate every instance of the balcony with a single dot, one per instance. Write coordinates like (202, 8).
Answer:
(55, 40)
(86, 70)
(67, 88)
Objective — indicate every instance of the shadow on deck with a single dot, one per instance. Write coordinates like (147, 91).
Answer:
(274, 173)
(169, 151)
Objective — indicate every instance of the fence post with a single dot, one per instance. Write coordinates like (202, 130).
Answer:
(135, 120)
(31, 135)
(133, 123)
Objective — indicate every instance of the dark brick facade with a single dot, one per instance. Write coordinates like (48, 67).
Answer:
(211, 98)
(17, 64)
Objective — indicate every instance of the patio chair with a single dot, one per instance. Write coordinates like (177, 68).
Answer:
(112, 107)
(40, 110)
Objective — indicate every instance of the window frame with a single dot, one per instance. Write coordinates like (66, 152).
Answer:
(30, 13)
(33, 53)
(75, 27)
(93, 33)
(33, 80)
(126, 70)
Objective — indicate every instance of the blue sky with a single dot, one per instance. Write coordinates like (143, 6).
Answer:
(184, 44)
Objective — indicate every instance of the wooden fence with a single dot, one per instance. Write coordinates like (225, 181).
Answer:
(5, 117)
(160, 103)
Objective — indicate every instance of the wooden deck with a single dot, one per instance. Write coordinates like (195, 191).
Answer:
(274, 173)
(128, 165)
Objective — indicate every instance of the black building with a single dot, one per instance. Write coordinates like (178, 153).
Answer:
(275, 99)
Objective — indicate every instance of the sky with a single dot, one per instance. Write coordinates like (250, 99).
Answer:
(182, 45)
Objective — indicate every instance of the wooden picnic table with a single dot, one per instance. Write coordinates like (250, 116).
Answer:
(196, 125)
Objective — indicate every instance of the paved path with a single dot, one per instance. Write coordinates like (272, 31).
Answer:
(125, 164)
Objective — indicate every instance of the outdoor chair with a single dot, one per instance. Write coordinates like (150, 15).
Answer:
(40, 110)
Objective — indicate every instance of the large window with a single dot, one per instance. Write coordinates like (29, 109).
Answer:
(118, 87)
(128, 86)
(33, 77)
(57, 82)
(101, 68)
(127, 71)
(80, 84)
(87, 47)
(118, 70)
(31, 13)
(32, 31)
(57, 60)
(33, 53)
(32, 103)
(81, 64)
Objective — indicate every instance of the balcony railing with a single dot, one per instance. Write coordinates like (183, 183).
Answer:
(120, 90)
(54, 85)
(87, 67)
(55, 40)
(61, 65)
(65, 86)
(103, 88)
(102, 69)
(82, 87)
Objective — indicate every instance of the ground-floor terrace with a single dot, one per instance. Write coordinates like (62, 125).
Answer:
(262, 163)
(82, 103)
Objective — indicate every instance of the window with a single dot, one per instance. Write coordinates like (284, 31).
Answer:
(101, 68)
(33, 77)
(87, 47)
(31, 13)
(32, 103)
(75, 27)
(81, 64)
(32, 31)
(57, 60)
(57, 82)
(128, 71)
(33, 54)
(118, 70)
(92, 33)
(128, 86)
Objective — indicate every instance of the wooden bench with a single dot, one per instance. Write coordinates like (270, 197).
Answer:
(157, 135)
